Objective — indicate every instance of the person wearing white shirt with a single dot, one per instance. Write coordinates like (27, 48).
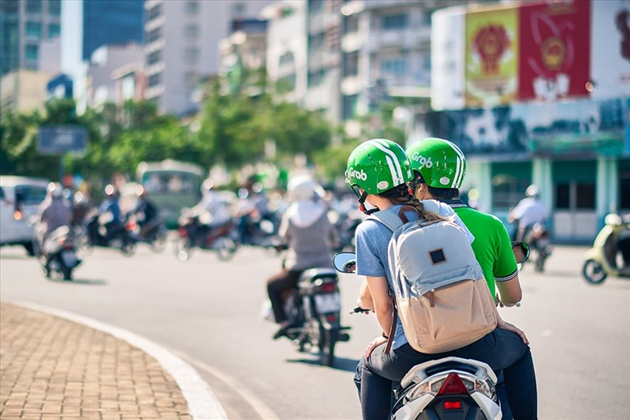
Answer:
(529, 211)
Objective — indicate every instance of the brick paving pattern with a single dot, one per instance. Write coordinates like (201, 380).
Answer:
(52, 369)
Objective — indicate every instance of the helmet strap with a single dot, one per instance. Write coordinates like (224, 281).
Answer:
(362, 205)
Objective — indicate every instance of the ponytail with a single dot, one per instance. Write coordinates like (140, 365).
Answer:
(402, 194)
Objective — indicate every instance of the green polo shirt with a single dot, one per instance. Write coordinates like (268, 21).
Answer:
(492, 245)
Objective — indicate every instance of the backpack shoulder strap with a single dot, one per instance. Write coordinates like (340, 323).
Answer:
(391, 220)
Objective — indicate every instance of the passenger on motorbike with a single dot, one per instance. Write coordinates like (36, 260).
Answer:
(146, 211)
(111, 206)
(53, 213)
(528, 212)
(212, 207)
(441, 180)
(378, 171)
(310, 237)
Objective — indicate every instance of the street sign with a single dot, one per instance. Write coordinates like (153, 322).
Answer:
(59, 139)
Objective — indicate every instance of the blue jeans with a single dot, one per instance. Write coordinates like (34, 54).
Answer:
(500, 349)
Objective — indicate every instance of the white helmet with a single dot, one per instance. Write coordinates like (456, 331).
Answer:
(303, 187)
(531, 191)
(55, 189)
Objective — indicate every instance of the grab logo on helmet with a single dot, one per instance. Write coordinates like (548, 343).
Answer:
(353, 173)
(424, 162)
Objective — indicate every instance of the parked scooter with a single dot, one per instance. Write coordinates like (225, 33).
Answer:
(314, 310)
(450, 388)
(199, 232)
(602, 259)
(59, 254)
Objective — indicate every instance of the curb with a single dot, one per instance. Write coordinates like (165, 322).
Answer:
(202, 402)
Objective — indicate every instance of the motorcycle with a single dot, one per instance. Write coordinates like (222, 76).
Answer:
(538, 238)
(153, 233)
(601, 259)
(450, 388)
(96, 234)
(59, 254)
(198, 232)
(314, 310)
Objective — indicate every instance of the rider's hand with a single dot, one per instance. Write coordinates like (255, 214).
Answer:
(507, 326)
(374, 344)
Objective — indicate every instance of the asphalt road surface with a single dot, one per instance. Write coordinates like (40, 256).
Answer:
(208, 312)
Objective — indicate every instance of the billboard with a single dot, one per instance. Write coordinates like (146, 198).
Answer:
(555, 50)
(574, 128)
(610, 48)
(492, 56)
(447, 58)
(59, 139)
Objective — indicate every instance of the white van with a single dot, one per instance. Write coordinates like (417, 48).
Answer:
(20, 198)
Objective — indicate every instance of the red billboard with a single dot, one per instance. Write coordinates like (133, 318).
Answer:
(555, 50)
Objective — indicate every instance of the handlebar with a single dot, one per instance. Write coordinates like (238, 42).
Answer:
(358, 310)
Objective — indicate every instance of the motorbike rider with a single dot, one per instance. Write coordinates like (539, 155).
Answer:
(528, 212)
(381, 182)
(53, 213)
(439, 168)
(111, 205)
(211, 205)
(145, 211)
(310, 237)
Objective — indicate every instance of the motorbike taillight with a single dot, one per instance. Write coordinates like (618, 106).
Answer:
(325, 288)
(453, 385)
(182, 232)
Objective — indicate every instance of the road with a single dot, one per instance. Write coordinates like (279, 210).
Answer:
(208, 312)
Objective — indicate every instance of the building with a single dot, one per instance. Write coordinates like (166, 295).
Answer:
(181, 46)
(100, 76)
(242, 55)
(23, 24)
(23, 91)
(287, 48)
(526, 106)
(112, 22)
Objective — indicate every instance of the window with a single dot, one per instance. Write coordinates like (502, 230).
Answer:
(192, 7)
(54, 7)
(191, 54)
(351, 64)
(316, 42)
(154, 79)
(54, 30)
(396, 67)
(315, 6)
(350, 106)
(286, 59)
(351, 25)
(154, 12)
(153, 35)
(33, 30)
(32, 52)
(315, 78)
(191, 31)
(191, 78)
(154, 57)
(397, 21)
(34, 6)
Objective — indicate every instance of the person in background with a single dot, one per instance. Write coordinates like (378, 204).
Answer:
(146, 211)
(54, 212)
(310, 238)
(112, 206)
(529, 211)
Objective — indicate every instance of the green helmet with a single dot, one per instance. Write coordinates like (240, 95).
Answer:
(378, 165)
(441, 163)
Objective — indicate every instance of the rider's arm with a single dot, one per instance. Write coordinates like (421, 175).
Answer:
(505, 269)
(365, 300)
(382, 301)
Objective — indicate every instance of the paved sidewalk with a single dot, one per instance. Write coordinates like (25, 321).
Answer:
(52, 368)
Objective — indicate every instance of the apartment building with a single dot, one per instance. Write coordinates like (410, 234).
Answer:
(23, 25)
(181, 46)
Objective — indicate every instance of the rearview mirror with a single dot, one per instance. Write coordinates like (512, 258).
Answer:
(345, 262)
(521, 251)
